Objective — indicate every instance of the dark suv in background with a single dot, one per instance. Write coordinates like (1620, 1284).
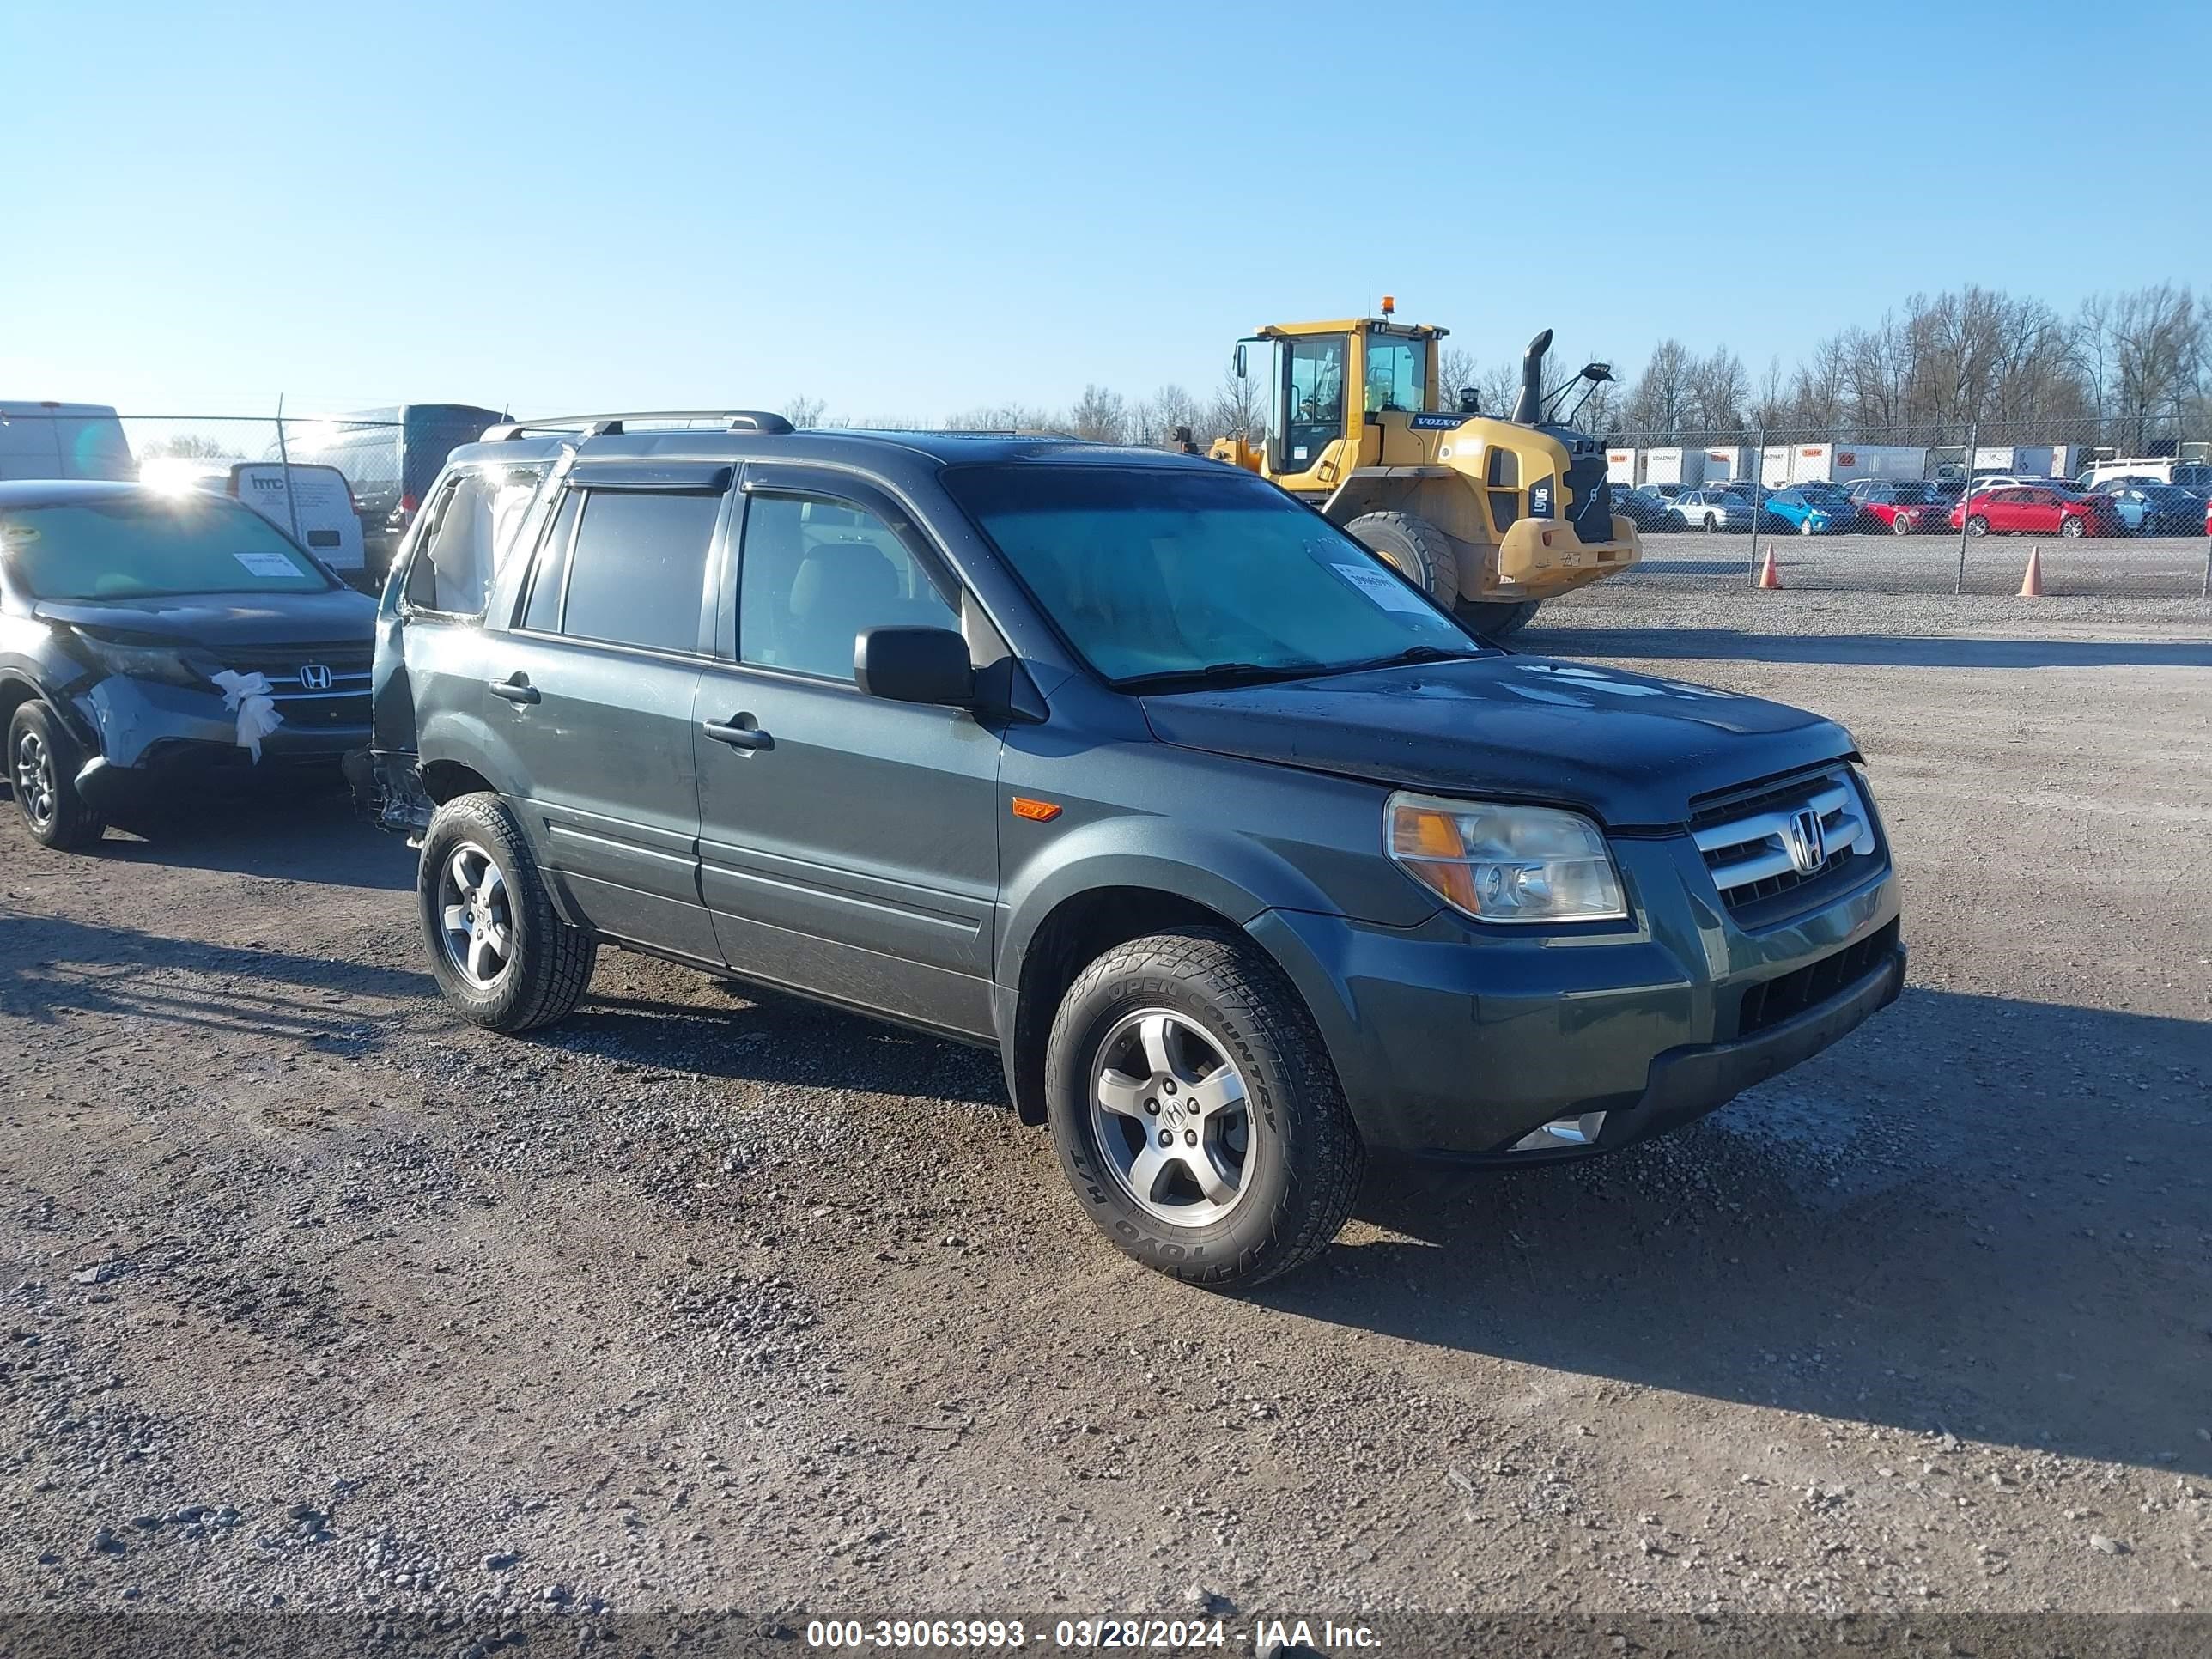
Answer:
(1247, 857)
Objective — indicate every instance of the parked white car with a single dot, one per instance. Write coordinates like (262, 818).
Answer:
(1713, 508)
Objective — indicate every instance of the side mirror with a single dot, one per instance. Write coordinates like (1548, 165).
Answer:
(914, 665)
(1240, 360)
(1597, 372)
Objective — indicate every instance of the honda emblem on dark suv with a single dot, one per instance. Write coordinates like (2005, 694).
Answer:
(314, 676)
(1805, 842)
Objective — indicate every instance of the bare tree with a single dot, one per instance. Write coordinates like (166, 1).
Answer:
(1100, 416)
(1716, 390)
(1239, 409)
(804, 411)
(2159, 347)
(189, 446)
(1770, 403)
(1660, 402)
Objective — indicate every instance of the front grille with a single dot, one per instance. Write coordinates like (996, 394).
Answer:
(1747, 842)
(283, 666)
(1780, 998)
(344, 701)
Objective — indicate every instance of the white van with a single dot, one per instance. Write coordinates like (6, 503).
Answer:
(317, 507)
(2158, 469)
(43, 439)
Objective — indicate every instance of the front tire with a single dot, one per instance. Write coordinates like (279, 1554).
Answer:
(1415, 548)
(1196, 1112)
(1977, 525)
(42, 767)
(502, 957)
(1495, 619)
(2072, 528)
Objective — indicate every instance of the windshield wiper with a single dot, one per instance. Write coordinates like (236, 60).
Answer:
(1410, 654)
(1221, 673)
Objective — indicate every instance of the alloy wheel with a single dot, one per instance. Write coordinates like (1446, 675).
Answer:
(1170, 1114)
(476, 919)
(34, 780)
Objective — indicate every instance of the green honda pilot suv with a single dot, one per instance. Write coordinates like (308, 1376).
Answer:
(1247, 859)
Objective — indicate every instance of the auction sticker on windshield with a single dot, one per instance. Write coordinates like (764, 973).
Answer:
(267, 564)
(1380, 585)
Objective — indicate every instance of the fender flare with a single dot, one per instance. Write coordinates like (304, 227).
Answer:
(1231, 875)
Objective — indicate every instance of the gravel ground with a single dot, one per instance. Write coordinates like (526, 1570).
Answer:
(317, 1299)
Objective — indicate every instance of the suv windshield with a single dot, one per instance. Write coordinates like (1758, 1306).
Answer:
(1154, 573)
(146, 547)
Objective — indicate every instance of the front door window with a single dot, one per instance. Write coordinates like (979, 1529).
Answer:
(1313, 399)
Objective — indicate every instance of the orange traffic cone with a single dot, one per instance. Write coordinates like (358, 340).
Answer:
(1769, 574)
(2030, 581)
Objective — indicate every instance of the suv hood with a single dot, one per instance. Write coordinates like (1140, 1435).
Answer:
(1632, 750)
(221, 619)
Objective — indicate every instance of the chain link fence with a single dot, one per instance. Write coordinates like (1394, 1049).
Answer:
(1985, 508)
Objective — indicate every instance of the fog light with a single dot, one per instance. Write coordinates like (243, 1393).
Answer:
(1581, 1131)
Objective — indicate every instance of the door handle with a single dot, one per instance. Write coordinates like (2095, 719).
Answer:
(516, 688)
(739, 732)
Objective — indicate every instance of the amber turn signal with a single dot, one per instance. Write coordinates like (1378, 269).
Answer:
(1037, 811)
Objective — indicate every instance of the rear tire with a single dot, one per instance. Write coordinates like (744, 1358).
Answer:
(1900, 524)
(1234, 1046)
(1415, 548)
(42, 767)
(1497, 619)
(502, 957)
(1712, 523)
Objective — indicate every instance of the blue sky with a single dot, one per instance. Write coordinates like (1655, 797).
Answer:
(915, 210)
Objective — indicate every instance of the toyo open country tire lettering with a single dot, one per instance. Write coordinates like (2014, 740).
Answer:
(1253, 1141)
(42, 766)
(502, 957)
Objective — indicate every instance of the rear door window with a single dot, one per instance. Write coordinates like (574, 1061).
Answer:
(638, 570)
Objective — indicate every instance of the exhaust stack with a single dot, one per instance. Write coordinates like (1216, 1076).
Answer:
(1530, 408)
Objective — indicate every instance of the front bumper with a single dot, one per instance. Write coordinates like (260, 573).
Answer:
(1543, 558)
(142, 730)
(1461, 1041)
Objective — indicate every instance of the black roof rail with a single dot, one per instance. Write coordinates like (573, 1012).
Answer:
(601, 426)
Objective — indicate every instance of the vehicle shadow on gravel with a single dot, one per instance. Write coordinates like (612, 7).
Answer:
(55, 968)
(1988, 1219)
(1868, 650)
(279, 829)
(760, 1038)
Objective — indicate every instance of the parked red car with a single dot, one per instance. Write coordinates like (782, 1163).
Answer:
(2035, 510)
(1902, 506)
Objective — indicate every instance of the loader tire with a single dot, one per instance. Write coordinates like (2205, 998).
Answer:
(1415, 548)
(1493, 619)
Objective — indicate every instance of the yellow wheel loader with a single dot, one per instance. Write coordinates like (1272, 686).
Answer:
(1491, 514)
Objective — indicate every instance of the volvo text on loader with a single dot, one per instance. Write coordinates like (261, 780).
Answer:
(1491, 515)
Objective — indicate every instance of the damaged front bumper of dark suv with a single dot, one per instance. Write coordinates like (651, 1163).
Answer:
(140, 731)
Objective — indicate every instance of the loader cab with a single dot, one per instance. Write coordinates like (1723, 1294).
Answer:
(1335, 385)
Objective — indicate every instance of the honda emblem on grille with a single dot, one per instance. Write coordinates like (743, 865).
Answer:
(1806, 842)
(314, 676)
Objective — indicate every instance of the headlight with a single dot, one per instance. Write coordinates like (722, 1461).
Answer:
(1500, 863)
(163, 663)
